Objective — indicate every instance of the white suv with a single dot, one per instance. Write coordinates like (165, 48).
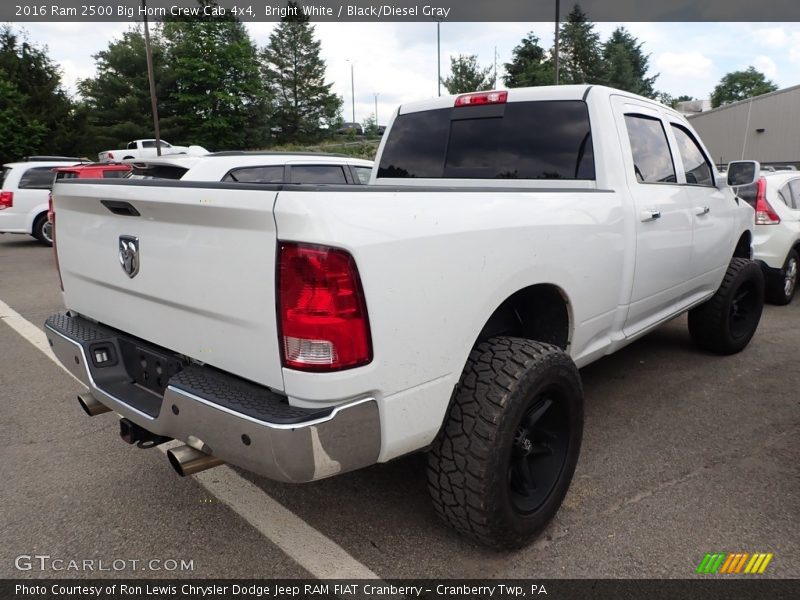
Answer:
(24, 191)
(776, 245)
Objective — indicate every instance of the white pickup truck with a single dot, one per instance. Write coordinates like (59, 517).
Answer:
(147, 148)
(506, 239)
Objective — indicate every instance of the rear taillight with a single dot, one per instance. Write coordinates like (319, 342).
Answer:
(322, 313)
(480, 98)
(6, 200)
(51, 216)
(765, 214)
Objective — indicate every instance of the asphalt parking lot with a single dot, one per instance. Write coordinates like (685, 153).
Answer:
(684, 453)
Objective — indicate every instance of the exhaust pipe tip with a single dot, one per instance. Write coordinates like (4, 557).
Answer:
(91, 406)
(188, 461)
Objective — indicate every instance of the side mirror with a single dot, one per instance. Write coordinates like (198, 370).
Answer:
(743, 172)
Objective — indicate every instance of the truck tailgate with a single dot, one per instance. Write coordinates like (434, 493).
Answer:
(206, 268)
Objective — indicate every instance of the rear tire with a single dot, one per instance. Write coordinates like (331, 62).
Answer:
(781, 289)
(43, 230)
(726, 322)
(503, 461)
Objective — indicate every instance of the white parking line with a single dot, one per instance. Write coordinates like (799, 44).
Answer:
(316, 553)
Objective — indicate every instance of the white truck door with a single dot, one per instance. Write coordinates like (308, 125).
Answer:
(663, 216)
(713, 212)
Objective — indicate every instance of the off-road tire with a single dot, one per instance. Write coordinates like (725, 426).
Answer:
(781, 288)
(726, 322)
(41, 231)
(471, 474)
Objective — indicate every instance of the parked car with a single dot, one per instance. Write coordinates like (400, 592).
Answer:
(346, 128)
(24, 190)
(776, 244)
(257, 167)
(145, 148)
(304, 331)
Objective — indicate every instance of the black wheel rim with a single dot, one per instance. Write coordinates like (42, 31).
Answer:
(538, 452)
(744, 311)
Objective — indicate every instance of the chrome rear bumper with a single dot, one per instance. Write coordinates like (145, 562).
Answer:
(234, 420)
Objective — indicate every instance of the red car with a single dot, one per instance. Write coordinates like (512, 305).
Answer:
(87, 171)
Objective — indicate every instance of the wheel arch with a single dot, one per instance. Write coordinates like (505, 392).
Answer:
(540, 312)
(744, 246)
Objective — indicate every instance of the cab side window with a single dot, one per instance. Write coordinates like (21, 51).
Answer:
(652, 159)
(695, 165)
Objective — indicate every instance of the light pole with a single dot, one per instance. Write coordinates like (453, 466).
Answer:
(352, 89)
(151, 78)
(376, 109)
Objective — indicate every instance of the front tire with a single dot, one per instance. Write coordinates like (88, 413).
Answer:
(726, 322)
(43, 230)
(781, 290)
(503, 461)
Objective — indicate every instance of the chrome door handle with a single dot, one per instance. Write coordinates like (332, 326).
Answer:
(650, 214)
(701, 210)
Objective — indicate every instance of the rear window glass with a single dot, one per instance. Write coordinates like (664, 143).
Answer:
(157, 172)
(115, 174)
(518, 140)
(66, 175)
(318, 174)
(3, 175)
(264, 174)
(363, 173)
(38, 178)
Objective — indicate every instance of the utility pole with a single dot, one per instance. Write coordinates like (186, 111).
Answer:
(495, 68)
(151, 78)
(438, 55)
(352, 89)
(558, 18)
(376, 109)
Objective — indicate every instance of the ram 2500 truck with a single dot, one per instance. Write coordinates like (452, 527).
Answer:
(506, 239)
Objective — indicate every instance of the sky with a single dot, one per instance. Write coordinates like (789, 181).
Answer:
(397, 61)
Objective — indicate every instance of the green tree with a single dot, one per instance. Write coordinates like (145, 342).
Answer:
(625, 65)
(673, 101)
(34, 82)
(117, 99)
(579, 50)
(19, 134)
(303, 105)
(215, 96)
(529, 66)
(467, 76)
(370, 126)
(740, 85)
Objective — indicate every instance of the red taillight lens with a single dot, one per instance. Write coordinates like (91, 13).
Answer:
(51, 216)
(321, 309)
(6, 200)
(765, 214)
(479, 98)
(110, 156)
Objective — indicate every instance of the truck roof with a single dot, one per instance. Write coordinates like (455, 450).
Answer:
(544, 92)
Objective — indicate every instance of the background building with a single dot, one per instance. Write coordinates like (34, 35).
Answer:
(765, 128)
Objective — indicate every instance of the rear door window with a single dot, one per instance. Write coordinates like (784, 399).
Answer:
(517, 140)
(38, 178)
(652, 159)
